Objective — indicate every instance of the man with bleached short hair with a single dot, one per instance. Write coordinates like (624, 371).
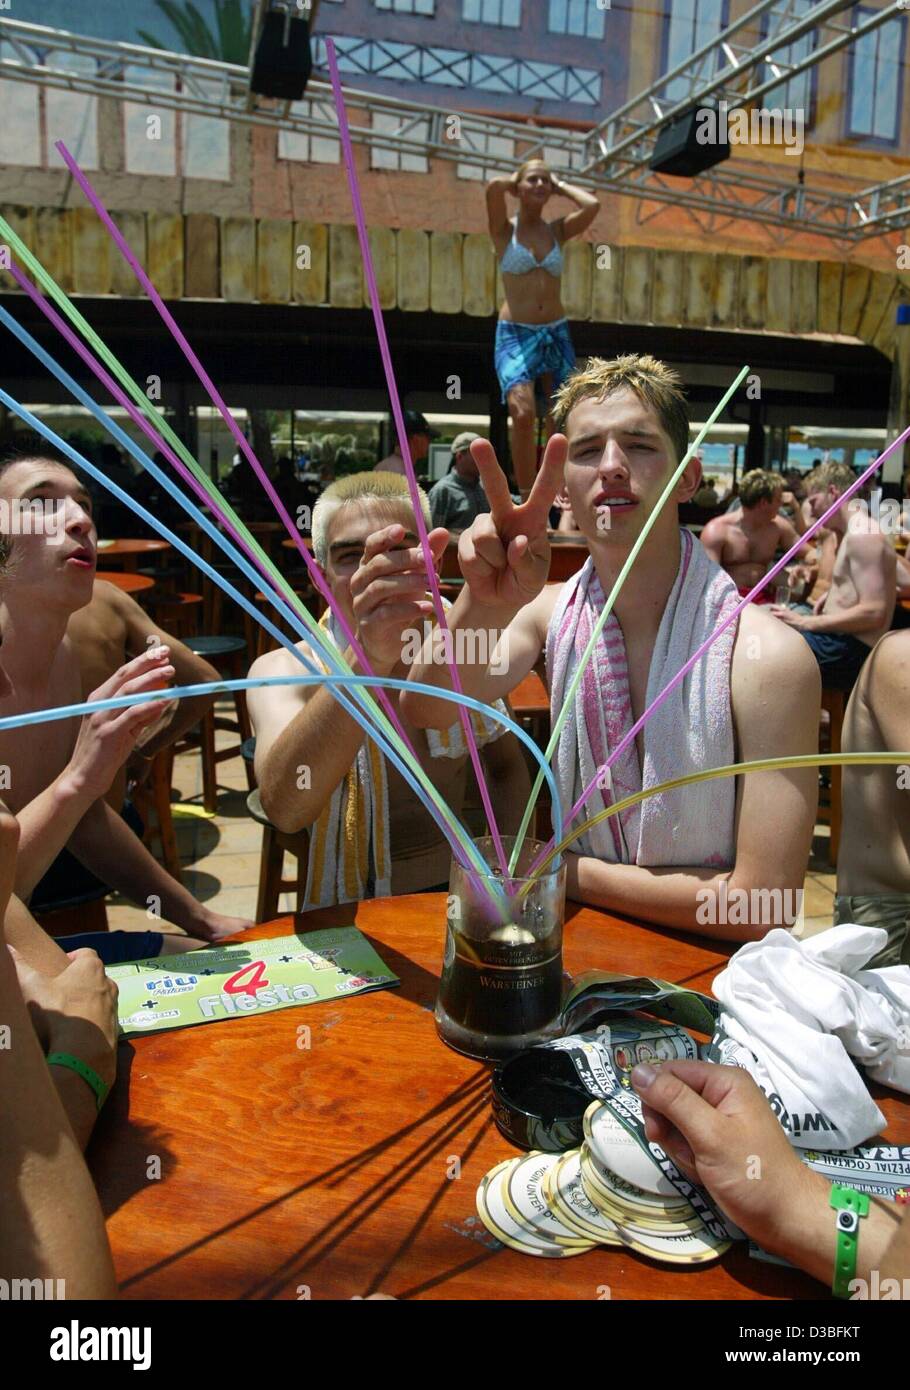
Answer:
(369, 834)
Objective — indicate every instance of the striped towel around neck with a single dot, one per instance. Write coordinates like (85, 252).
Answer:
(350, 855)
(692, 730)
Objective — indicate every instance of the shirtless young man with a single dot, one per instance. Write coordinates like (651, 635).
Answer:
(873, 864)
(60, 772)
(857, 609)
(358, 518)
(746, 541)
(626, 427)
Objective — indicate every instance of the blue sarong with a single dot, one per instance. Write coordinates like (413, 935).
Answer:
(525, 351)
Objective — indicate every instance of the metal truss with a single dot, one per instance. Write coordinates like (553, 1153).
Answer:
(611, 158)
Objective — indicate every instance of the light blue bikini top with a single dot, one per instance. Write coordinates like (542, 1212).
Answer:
(520, 260)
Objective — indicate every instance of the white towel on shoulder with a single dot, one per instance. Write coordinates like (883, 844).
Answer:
(692, 730)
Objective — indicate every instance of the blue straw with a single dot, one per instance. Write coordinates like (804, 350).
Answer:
(218, 579)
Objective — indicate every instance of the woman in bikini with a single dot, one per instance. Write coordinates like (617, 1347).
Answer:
(532, 336)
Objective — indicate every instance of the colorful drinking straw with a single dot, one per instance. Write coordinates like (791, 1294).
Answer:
(568, 702)
(392, 386)
(722, 627)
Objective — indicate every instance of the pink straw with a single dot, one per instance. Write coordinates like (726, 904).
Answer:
(312, 568)
(684, 671)
(398, 416)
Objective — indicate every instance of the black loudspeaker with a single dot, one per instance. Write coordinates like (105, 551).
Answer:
(282, 63)
(695, 141)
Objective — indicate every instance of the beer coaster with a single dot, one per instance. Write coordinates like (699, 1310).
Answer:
(689, 1249)
(638, 1202)
(499, 1223)
(565, 1195)
(524, 1200)
(616, 1149)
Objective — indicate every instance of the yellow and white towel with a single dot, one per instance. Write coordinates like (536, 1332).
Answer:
(350, 857)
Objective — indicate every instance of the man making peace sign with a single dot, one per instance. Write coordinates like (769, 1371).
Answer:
(753, 695)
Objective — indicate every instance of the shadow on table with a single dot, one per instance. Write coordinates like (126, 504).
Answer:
(469, 1102)
(467, 1105)
(139, 1155)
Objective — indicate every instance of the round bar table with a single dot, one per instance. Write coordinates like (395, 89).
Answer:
(344, 1160)
(128, 583)
(127, 552)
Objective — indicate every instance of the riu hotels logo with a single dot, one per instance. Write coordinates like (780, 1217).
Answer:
(77, 1343)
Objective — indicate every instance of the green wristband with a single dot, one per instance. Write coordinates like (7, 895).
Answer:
(850, 1206)
(88, 1074)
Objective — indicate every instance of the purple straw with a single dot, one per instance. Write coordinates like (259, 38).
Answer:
(684, 671)
(312, 568)
(392, 387)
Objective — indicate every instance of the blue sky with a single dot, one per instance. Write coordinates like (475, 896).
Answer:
(104, 19)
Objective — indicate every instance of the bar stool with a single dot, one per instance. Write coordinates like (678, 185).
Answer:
(275, 844)
(177, 613)
(228, 654)
(154, 795)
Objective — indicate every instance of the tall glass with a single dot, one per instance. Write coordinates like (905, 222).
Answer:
(502, 983)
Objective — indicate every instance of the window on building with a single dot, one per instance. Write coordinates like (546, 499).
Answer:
(306, 147)
(20, 119)
(449, 67)
(498, 145)
(585, 18)
(875, 69)
(795, 93)
(690, 25)
(206, 140)
(72, 116)
(389, 123)
(68, 116)
(503, 12)
(150, 131)
(407, 6)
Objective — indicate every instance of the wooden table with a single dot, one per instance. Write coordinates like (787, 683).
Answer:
(327, 1167)
(126, 581)
(127, 552)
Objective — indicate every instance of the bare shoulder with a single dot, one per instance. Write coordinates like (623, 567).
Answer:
(889, 666)
(281, 662)
(869, 546)
(770, 658)
(716, 528)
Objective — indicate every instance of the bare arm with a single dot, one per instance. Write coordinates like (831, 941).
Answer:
(789, 536)
(104, 843)
(497, 211)
(587, 208)
(52, 1225)
(771, 852)
(712, 538)
(873, 568)
(305, 743)
(103, 743)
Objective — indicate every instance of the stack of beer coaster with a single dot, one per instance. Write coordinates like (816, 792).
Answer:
(608, 1192)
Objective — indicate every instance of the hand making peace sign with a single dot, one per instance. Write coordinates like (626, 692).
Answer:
(505, 555)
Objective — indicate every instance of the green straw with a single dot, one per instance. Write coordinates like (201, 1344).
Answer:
(161, 425)
(608, 609)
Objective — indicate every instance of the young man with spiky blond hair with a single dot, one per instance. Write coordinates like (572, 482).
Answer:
(754, 695)
(369, 834)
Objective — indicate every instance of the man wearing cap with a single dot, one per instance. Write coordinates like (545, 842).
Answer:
(459, 497)
(419, 436)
